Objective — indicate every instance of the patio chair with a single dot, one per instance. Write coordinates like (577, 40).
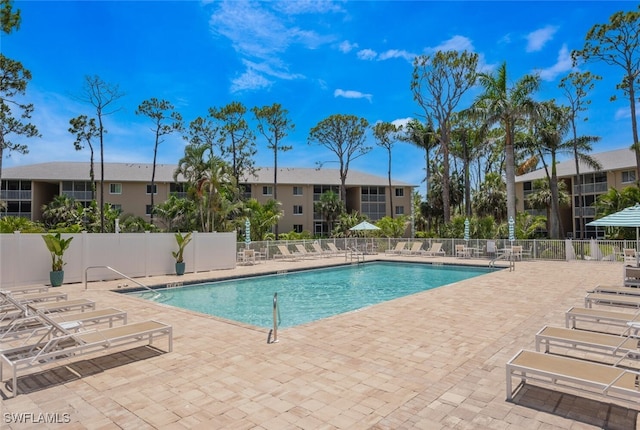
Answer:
(64, 344)
(434, 250)
(583, 340)
(461, 251)
(630, 257)
(516, 252)
(400, 246)
(492, 249)
(602, 379)
(599, 316)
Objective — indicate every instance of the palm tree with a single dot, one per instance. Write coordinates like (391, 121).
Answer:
(263, 218)
(62, 211)
(508, 106)
(331, 207)
(551, 125)
(542, 197)
(614, 201)
(491, 199)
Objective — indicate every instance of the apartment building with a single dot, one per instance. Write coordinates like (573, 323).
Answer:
(127, 186)
(618, 171)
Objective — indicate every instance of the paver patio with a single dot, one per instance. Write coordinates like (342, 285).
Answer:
(433, 360)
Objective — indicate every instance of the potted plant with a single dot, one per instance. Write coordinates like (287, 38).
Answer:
(56, 246)
(182, 241)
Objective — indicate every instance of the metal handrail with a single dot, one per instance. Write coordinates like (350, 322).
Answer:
(157, 293)
(273, 333)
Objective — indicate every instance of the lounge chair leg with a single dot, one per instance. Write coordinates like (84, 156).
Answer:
(509, 386)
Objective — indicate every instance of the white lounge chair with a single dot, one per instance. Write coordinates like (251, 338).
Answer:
(615, 289)
(599, 316)
(320, 251)
(303, 251)
(400, 246)
(435, 250)
(416, 249)
(335, 249)
(66, 345)
(285, 254)
(631, 276)
(574, 374)
(584, 340)
(611, 300)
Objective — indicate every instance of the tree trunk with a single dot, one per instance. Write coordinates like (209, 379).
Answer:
(510, 172)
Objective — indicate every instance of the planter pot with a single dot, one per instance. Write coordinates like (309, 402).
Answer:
(180, 268)
(56, 277)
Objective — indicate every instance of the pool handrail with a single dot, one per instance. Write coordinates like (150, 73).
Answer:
(155, 292)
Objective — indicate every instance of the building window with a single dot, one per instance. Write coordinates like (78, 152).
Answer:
(399, 210)
(399, 192)
(155, 188)
(147, 209)
(115, 188)
(297, 228)
(297, 209)
(267, 191)
(297, 191)
(628, 176)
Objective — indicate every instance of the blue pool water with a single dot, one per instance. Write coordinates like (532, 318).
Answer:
(311, 295)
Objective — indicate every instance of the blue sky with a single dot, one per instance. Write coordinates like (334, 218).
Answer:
(316, 58)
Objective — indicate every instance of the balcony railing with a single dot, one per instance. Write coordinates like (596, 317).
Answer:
(600, 187)
(15, 195)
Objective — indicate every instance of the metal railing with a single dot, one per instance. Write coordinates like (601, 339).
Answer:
(156, 293)
(533, 249)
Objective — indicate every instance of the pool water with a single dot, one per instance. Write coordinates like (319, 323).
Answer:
(310, 295)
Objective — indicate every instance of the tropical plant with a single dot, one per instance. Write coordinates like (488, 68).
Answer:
(10, 224)
(263, 217)
(491, 199)
(614, 201)
(392, 227)
(345, 222)
(330, 207)
(177, 214)
(182, 241)
(506, 105)
(422, 136)
(57, 247)
(62, 212)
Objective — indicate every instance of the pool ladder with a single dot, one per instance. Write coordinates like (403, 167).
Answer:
(353, 252)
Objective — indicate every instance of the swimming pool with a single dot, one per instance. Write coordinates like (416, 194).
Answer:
(310, 295)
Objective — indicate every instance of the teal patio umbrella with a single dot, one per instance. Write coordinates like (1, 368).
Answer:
(627, 217)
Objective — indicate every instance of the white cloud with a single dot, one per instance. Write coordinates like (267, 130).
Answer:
(563, 64)
(262, 32)
(350, 94)
(396, 53)
(537, 39)
(367, 54)
(456, 43)
(250, 80)
(346, 46)
(401, 122)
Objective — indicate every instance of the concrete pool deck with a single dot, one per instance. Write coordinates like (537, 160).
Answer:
(433, 360)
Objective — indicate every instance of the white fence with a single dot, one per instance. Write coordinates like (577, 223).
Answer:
(24, 258)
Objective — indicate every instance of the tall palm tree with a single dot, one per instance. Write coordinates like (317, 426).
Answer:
(542, 197)
(507, 106)
(552, 123)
